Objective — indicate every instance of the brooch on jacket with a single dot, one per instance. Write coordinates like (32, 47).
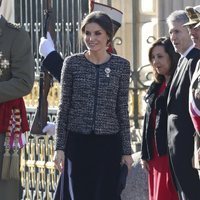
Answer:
(4, 63)
(107, 70)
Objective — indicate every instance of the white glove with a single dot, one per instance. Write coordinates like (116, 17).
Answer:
(46, 45)
(49, 129)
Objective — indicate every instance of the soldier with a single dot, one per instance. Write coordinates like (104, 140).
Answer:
(193, 26)
(16, 81)
(194, 30)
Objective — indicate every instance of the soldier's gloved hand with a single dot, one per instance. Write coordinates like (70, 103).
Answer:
(46, 45)
(49, 129)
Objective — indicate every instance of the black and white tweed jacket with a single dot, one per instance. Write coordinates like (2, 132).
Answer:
(94, 99)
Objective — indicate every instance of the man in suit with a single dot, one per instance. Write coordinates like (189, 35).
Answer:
(180, 126)
(16, 81)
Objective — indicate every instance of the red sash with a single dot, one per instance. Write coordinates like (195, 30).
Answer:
(6, 112)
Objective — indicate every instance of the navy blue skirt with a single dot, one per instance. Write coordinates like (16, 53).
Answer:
(92, 168)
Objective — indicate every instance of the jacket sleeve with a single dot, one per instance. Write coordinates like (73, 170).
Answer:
(53, 63)
(22, 69)
(64, 105)
(144, 141)
(122, 109)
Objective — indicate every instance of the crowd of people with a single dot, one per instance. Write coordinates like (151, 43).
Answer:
(92, 131)
(171, 124)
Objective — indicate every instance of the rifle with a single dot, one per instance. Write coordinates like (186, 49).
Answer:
(45, 79)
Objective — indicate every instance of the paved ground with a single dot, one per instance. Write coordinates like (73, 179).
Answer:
(136, 187)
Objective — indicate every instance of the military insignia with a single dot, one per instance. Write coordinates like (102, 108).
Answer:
(4, 64)
(192, 15)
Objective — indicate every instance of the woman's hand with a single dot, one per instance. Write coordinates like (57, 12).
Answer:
(144, 164)
(128, 160)
(59, 158)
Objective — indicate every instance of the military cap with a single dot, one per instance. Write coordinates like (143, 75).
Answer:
(113, 13)
(192, 15)
(197, 10)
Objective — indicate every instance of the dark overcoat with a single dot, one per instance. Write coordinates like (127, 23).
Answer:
(181, 129)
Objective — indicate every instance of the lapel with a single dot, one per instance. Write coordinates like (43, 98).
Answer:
(196, 73)
(177, 78)
(180, 75)
(2, 27)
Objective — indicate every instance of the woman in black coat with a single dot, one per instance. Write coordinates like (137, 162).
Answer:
(154, 156)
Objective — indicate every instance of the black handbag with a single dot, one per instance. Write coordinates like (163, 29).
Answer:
(122, 178)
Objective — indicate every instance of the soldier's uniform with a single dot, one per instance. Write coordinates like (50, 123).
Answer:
(194, 108)
(16, 81)
(193, 14)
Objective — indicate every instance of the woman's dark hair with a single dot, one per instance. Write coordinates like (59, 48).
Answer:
(169, 49)
(102, 19)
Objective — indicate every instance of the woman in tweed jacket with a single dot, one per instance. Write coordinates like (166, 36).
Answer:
(93, 121)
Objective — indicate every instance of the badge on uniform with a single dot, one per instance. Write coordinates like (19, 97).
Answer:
(4, 63)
